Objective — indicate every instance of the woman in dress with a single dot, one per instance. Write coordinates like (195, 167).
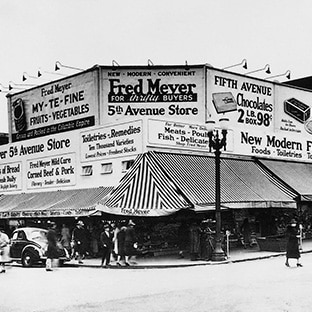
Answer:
(292, 248)
(4, 250)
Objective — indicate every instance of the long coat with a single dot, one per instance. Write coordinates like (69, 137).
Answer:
(4, 248)
(292, 247)
(52, 251)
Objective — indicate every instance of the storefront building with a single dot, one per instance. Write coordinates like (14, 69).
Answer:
(132, 142)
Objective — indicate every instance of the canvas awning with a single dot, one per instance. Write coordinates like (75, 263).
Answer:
(65, 203)
(146, 190)
(298, 176)
(163, 183)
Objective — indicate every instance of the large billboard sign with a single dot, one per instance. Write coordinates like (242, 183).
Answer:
(173, 93)
(268, 119)
(249, 103)
(59, 106)
(113, 141)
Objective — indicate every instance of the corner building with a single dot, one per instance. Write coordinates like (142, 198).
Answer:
(131, 142)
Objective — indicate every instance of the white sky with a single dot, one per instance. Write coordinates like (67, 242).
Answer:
(81, 33)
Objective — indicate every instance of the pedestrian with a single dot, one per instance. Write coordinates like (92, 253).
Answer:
(292, 247)
(245, 229)
(130, 242)
(106, 244)
(79, 239)
(121, 243)
(52, 251)
(4, 250)
(66, 237)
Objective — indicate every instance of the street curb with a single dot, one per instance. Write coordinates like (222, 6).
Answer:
(167, 266)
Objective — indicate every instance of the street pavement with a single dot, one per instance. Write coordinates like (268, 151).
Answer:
(173, 260)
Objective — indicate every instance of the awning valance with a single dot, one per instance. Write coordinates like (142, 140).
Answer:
(298, 176)
(65, 203)
(163, 183)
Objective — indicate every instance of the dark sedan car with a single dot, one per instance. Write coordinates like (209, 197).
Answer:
(29, 246)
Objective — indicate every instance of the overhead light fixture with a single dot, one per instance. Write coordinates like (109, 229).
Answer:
(3, 87)
(59, 65)
(150, 63)
(243, 62)
(13, 85)
(287, 74)
(266, 68)
(114, 63)
(41, 72)
(26, 76)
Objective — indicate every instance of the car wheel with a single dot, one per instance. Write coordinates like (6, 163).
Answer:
(27, 259)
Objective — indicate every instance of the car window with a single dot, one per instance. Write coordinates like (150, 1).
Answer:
(20, 235)
(37, 235)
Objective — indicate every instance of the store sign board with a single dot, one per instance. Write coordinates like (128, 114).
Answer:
(56, 107)
(10, 177)
(181, 135)
(54, 171)
(248, 102)
(113, 141)
(270, 120)
(153, 92)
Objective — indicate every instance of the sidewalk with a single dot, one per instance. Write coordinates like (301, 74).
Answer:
(172, 261)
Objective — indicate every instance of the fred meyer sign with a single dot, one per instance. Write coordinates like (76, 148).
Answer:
(163, 92)
(60, 106)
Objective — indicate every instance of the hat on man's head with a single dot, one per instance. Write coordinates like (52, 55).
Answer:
(131, 222)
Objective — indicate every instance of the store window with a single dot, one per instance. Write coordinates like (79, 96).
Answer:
(126, 165)
(86, 170)
(106, 168)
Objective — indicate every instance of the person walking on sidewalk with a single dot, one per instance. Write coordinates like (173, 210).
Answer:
(292, 247)
(79, 239)
(121, 243)
(130, 242)
(106, 244)
(4, 250)
(52, 251)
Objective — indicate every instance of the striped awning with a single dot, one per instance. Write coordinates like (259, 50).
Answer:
(244, 184)
(146, 190)
(67, 203)
(162, 183)
(298, 176)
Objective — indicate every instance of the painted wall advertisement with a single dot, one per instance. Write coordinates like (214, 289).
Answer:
(60, 106)
(176, 93)
(55, 171)
(113, 141)
(11, 177)
(41, 163)
(268, 120)
(181, 135)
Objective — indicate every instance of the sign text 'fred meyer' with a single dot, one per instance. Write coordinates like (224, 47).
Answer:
(156, 92)
(51, 171)
(114, 141)
(54, 108)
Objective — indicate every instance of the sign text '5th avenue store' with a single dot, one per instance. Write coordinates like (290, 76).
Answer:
(156, 92)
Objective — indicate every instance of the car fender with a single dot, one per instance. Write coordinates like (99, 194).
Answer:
(34, 250)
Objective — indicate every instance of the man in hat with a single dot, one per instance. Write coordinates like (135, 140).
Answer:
(4, 250)
(79, 239)
(106, 244)
(52, 251)
(130, 242)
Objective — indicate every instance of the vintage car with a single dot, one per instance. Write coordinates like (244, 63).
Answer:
(29, 245)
